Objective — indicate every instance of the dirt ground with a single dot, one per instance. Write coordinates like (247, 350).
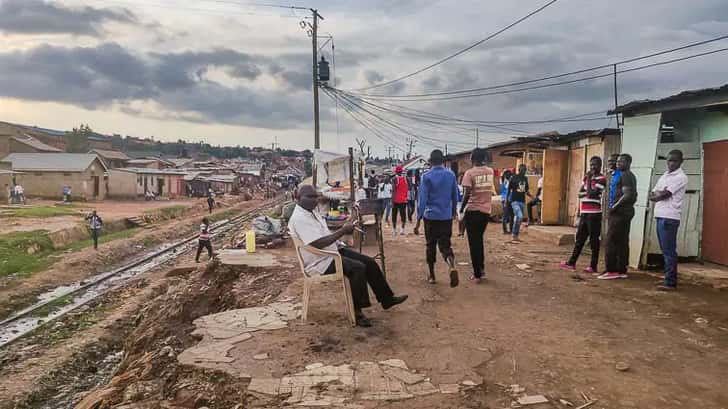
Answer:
(17, 292)
(536, 327)
(108, 210)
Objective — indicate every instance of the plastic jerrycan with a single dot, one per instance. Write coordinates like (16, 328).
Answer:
(250, 241)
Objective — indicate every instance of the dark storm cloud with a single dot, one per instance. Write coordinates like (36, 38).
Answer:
(40, 17)
(373, 77)
(95, 77)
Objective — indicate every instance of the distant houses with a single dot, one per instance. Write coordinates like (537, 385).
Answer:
(45, 174)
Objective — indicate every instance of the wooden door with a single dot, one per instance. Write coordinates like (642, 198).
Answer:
(97, 186)
(576, 178)
(554, 182)
(715, 202)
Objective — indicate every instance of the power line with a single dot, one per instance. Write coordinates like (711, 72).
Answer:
(483, 123)
(372, 126)
(524, 82)
(464, 50)
(555, 84)
(435, 121)
(364, 123)
(399, 127)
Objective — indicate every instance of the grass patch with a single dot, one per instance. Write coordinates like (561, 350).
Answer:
(227, 214)
(104, 238)
(169, 212)
(14, 252)
(41, 212)
(15, 258)
(54, 305)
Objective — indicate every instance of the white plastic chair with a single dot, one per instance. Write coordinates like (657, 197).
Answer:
(310, 280)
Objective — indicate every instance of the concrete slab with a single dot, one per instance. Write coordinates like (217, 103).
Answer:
(558, 235)
(340, 385)
(223, 331)
(243, 258)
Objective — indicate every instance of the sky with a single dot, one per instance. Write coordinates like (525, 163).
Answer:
(229, 72)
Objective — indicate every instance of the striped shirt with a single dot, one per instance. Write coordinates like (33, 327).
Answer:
(204, 232)
(591, 202)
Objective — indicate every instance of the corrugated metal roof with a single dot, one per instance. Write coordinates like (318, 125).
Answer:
(35, 143)
(107, 154)
(63, 162)
(151, 171)
(684, 100)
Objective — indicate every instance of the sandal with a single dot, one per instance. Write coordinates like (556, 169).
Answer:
(475, 279)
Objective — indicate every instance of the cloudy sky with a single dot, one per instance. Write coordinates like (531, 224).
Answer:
(231, 73)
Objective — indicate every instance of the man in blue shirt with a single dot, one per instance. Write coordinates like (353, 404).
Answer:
(437, 205)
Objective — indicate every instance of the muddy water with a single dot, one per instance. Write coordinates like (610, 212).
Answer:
(11, 329)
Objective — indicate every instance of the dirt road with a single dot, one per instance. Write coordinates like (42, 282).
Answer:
(619, 342)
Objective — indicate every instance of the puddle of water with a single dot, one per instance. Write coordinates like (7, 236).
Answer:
(16, 329)
(11, 331)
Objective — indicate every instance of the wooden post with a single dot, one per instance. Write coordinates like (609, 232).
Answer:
(352, 196)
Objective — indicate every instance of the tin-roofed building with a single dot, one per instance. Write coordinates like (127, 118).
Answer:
(45, 174)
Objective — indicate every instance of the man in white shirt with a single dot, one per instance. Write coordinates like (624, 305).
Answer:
(306, 225)
(668, 196)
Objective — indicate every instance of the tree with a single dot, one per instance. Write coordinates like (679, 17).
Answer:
(77, 139)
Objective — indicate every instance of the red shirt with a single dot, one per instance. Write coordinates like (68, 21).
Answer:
(400, 190)
(592, 204)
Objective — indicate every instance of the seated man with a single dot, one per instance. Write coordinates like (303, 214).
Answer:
(311, 229)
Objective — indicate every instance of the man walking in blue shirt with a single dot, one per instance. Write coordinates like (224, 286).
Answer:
(437, 205)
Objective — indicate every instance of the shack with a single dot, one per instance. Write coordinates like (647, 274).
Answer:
(45, 174)
(111, 158)
(129, 183)
(695, 122)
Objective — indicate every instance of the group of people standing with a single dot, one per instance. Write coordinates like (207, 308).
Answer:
(398, 193)
(16, 194)
(621, 183)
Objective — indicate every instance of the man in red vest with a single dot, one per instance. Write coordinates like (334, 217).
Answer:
(400, 187)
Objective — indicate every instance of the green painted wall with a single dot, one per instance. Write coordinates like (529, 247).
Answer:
(713, 127)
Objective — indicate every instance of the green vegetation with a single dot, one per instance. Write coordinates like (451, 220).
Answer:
(104, 238)
(54, 305)
(223, 215)
(170, 212)
(23, 253)
(41, 212)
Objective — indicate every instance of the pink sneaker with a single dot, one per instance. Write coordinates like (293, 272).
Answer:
(590, 270)
(566, 266)
(611, 276)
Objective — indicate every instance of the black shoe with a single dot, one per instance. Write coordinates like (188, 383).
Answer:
(397, 299)
(362, 321)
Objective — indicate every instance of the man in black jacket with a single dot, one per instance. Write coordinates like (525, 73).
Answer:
(620, 220)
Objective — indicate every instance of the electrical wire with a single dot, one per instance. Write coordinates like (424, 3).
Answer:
(399, 127)
(419, 114)
(567, 74)
(550, 85)
(372, 126)
(462, 51)
(365, 123)
(435, 122)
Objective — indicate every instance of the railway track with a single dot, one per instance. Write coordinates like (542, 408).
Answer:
(63, 300)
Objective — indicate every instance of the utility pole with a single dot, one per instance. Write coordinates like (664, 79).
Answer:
(445, 149)
(314, 43)
(389, 155)
(410, 146)
(616, 99)
(477, 138)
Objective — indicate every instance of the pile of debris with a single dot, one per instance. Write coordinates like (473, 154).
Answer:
(150, 374)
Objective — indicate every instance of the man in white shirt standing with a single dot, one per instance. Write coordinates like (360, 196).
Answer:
(668, 196)
(311, 229)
